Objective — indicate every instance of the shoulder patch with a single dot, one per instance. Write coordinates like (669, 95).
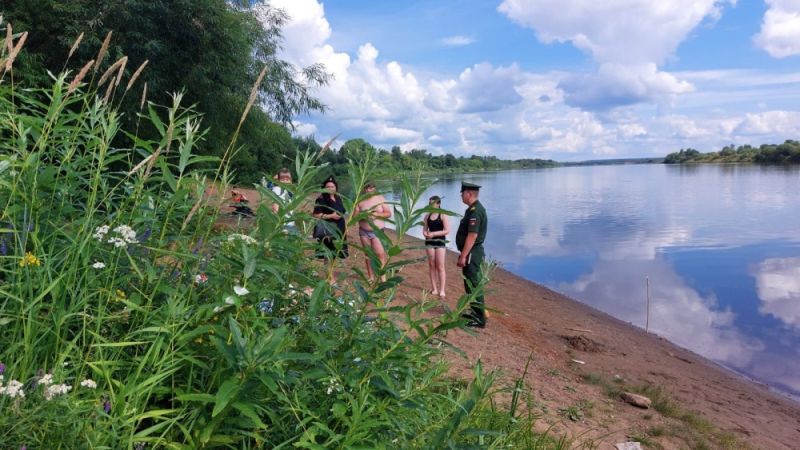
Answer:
(472, 209)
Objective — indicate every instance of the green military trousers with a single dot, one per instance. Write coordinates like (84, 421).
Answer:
(472, 276)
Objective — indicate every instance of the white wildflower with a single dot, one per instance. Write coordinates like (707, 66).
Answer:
(14, 389)
(46, 379)
(99, 265)
(89, 383)
(200, 278)
(229, 300)
(240, 290)
(218, 309)
(357, 360)
(242, 237)
(56, 390)
(100, 232)
(124, 236)
(126, 233)
(333, 386)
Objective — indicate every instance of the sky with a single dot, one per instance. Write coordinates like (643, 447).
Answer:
(569, 80)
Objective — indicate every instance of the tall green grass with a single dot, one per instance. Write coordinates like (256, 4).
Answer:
(112, 273)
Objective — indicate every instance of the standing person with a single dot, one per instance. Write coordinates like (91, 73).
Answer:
(284, 177)
(435, 228)
(329, 207)
(469, 241)
(377, 210)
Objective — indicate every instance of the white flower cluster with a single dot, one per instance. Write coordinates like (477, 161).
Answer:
(242, 237)
(13, 389)
(101, 232)
(124, 235)
(98, 265)
(55, 390)
(46, 379)
(333, 386)
(89, 383)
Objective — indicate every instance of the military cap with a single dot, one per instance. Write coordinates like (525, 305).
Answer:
(469, 186)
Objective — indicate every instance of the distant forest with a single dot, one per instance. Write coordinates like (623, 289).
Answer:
(786, 153)
(393, 162)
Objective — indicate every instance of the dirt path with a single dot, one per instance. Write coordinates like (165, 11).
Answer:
(554, 330)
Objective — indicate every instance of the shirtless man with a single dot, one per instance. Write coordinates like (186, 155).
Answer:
(375, 206)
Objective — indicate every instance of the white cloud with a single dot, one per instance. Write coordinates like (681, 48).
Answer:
(480, 88)
(513, 113)
(618, 85)
(621, 31)
(778, 287)
(458, 41)
(785, 123)
(780, 29)
(628, 38)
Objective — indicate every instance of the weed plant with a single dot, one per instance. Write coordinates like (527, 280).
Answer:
(130, 320)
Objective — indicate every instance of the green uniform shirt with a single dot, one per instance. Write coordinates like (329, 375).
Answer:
(474, 221)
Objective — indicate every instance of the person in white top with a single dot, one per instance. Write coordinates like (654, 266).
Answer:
(284, 177)
(375, 206)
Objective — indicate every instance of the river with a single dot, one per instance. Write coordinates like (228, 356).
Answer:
(719, 246)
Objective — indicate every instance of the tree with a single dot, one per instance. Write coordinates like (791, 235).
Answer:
(212, 49)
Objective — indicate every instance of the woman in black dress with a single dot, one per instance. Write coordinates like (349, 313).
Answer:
(435, 228)
(329, 207)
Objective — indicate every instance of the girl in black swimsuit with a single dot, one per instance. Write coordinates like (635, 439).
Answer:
(435, 228)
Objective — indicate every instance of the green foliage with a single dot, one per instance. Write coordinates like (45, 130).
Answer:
(209, 48)
(786, 153)
(111, 271)
(391, 163)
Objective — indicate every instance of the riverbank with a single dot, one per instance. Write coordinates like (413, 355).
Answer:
(580, 355)
(580, 359)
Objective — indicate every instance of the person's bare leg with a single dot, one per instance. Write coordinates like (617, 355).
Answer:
(441, 253)
(377, 246)
(365, 242)
(432, 271)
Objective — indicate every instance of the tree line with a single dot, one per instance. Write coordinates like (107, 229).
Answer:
(786, 153)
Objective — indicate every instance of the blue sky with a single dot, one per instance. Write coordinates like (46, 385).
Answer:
(567, 79)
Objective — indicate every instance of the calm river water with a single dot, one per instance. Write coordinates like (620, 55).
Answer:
(720, 245)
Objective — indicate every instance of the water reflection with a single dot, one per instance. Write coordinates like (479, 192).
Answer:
(677, 311)
(778, 284)
(720, 245)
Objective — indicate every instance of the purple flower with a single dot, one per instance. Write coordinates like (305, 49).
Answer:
(2, 368)
(198, 246)
(24, 447)
(107, 406)
(144, 236)
(3, 247)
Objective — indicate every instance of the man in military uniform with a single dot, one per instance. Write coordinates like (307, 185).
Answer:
(469, 241)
